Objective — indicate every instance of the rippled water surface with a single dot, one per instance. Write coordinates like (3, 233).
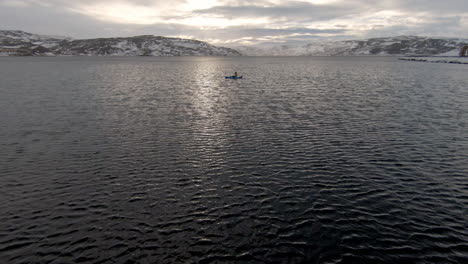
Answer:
(162, 160)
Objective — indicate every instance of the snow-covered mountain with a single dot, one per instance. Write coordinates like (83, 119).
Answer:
(14, 42)
(10, 38)
(146, 45)
(401, 45)
(23, 43)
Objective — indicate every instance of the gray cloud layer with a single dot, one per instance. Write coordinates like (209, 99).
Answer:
(295, 11)
(283, 21)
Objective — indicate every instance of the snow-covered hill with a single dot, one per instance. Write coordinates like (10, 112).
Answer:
(14, 42)
(401, 45)
(146, 45)
(23, 43)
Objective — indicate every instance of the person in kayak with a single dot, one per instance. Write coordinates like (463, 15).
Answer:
(234, 76)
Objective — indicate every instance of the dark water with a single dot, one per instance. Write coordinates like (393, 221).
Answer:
(162, 160)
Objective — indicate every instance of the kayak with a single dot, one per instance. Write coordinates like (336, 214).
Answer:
(233, 77)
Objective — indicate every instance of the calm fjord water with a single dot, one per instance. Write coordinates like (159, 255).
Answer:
(162, 160)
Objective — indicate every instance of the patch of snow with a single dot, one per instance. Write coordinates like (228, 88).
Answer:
(49, 45)
(454, 52)
(389, 43)
(185, 44)
(12, 47)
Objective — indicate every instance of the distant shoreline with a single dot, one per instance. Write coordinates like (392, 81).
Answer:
(452, 60)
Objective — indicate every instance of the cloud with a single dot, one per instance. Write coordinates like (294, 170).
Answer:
(291, 11)
(231, 22)
(14, 3)
(432, 6)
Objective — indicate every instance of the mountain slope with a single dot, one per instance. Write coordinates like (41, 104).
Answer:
(402, 45)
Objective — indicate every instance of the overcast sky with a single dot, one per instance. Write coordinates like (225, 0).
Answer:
(238, 22)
